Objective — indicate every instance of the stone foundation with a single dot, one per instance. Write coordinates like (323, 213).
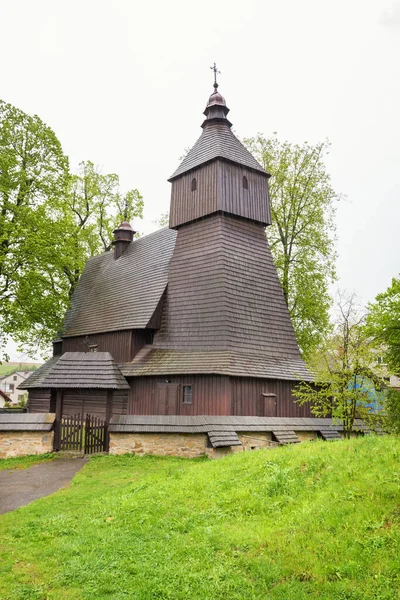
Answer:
(22, 443)
(254, 440)
(305, 436)
(189, 445)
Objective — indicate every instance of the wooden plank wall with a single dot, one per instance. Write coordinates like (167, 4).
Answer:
(248, 399)
(123, 345)
(219, 187)
(93, 402)
(211, 395)
(252, 203)
(217, 395)
(39, 401)
(188, 205)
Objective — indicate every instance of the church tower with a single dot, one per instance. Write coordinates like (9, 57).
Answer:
(225, 327)
(219, 175)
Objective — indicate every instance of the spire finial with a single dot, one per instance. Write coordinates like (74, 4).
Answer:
(214, 68)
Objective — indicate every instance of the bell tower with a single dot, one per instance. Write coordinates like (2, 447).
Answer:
(219, 175)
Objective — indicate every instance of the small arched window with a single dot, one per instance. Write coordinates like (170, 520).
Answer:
(245, 183)
(194, 184)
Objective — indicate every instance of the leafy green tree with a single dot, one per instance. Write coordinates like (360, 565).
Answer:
(50, 223)
(347, 377)
(93, 208)
(33, 177)
(302, 232)
(383, 323)
(392, 409)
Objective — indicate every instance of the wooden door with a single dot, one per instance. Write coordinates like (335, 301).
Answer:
(167, 399)
(269, 405)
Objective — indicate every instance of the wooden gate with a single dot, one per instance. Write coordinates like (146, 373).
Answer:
(95, 435)
(78, 434)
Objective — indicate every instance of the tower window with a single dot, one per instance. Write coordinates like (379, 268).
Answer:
(187, 394)
(245, 183)
(194, 184)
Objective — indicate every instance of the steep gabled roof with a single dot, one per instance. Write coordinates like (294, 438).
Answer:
(217, 141)
(85, 370)
(121, 294)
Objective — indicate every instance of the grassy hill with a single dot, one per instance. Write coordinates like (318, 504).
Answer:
(10, 367)
(316, 520)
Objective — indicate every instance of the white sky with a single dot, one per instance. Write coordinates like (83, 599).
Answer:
(124, 84)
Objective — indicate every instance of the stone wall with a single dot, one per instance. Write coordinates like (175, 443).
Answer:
(253, 440)
(306, 436)
(22, 443)
(189, 445)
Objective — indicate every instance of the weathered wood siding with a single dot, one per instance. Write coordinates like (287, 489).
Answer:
(188, 205)
(251, 203)
(211, 395)
(248, 398)
(219, 187)
(39, 401)
(93, 402)
(224, 292)
(214, 395)
(123, 345)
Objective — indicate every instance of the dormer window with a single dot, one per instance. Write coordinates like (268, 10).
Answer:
(245, 183)
(194, 184)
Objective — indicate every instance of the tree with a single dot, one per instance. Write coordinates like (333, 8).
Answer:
(348, 383)
(33, 177)
(383, 323)
(302, 232)
(94, 206)
(50, 223)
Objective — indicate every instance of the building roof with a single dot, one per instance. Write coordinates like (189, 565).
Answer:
(90, 370)
(150, 361)
(26, 421)
(217, 141)
(219, 424)
(37, 377)
(121, 294)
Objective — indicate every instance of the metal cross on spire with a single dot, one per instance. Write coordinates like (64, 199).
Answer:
(214, 68)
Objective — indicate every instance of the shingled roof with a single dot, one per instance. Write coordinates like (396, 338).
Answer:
(224, 312)
(26, 422)
(217, 141)
(88, 370)
(225, 362)
(121, 294)
(219, 424)
(37, 377)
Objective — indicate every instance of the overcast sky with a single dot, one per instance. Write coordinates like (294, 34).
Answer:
(124, 83)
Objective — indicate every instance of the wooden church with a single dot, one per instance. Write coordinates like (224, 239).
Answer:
(191, 319)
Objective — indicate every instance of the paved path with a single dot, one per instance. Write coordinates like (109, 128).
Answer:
(20, 487)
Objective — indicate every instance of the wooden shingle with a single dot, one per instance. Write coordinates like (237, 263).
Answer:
(85, 370)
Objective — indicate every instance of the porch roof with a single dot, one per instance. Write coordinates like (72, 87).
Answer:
(84, 370)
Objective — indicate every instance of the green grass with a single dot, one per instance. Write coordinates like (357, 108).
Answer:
(11, 367)
(315, 520)
(24, 462)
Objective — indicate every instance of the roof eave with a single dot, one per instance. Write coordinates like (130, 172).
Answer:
(260, 171)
